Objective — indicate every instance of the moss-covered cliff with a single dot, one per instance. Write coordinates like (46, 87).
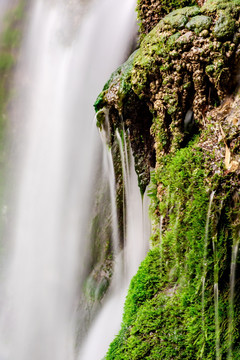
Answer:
(178, 96)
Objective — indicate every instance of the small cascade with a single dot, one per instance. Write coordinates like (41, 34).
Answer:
(217, 328)
(205, 261)
(114, 299)
(124, 153)
(108, 164)
(136, 233)
(235, 248)
(134, 225)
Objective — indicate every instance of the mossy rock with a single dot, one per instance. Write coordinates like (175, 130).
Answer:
(224, 27)
(117, 87)
(199, 23)
(169, 311)
(177, 21)
(173, 54)
(150, 13)
(216, 5)
(185, 39)
(187, 11)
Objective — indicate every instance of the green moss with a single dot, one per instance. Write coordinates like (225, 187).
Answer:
(199, 23)
(173, 70)
(177, 21)
(188, 11)
(224, 27)
(170, 312)
(119, 81)
(144, 285)
(215, 5)
(149, 13)
(163, 313)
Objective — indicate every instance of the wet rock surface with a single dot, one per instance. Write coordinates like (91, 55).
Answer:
(188, 61)
(178, 96)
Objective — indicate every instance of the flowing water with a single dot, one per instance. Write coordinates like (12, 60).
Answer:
(217, 327)
(136, 227)
(63, 67)
(235, 248)
(136, 233)
(216, 297)
(161, 240)
(205, 261)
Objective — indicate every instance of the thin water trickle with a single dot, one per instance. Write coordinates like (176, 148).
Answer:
(161, 240)
(205, 262)
(235, 248)
(137, 234)
(125, 173)
(217, 328)
(216, 300)
(134, 225)
(176, 244)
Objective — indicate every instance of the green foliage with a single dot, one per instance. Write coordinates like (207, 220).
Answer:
(144, 285)
(183, 176)
(164, 317)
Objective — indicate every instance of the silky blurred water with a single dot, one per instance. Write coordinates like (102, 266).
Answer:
(62, 67)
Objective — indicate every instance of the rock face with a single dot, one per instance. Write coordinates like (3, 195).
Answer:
(188, 61)
(150, 12)
(178, 97)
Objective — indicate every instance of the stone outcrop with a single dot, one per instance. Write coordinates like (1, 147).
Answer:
(178, 96)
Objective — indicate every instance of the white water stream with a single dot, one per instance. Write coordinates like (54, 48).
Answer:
(235, 249)
(204, 274)
(61, 71)
(136, 236)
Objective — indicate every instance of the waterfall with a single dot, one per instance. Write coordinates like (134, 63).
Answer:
(136, 229)
(136, 236)
(62, 68)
